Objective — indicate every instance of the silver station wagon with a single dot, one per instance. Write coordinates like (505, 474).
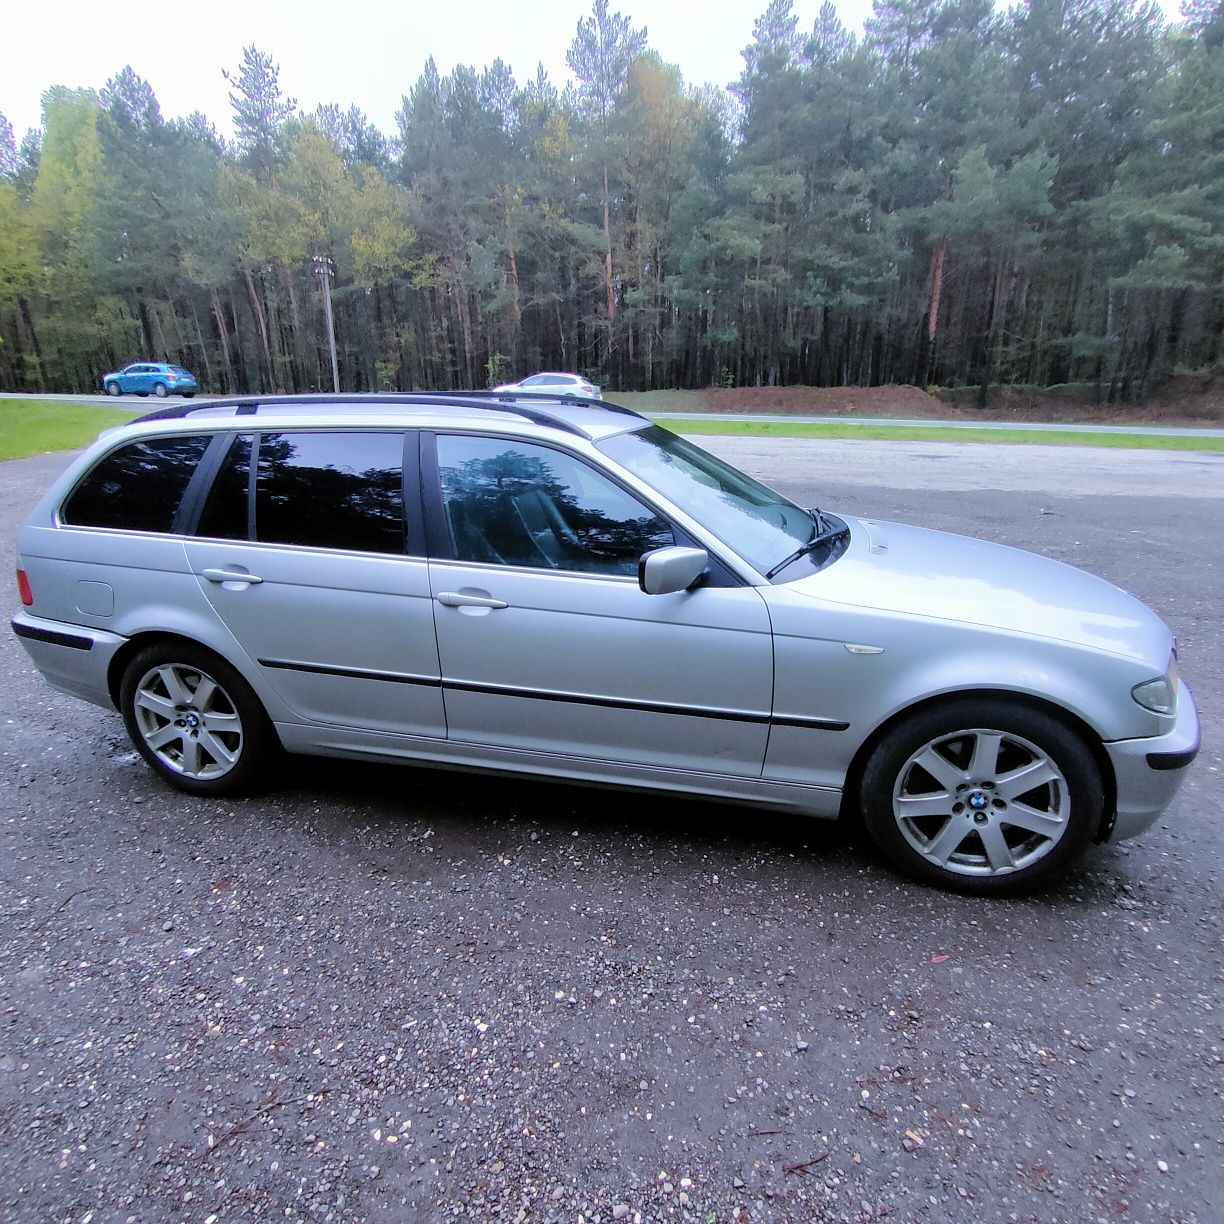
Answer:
(559, 587)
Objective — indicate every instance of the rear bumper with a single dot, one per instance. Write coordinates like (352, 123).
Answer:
(1149, 771)
(72, 658)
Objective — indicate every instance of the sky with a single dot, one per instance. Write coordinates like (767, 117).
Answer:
(363, 52)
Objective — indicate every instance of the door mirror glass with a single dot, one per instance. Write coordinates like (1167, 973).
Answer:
(667, 570)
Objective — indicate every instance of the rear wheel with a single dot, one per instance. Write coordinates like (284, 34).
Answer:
(159, 389)
(982, 797)
(112, 388)
(194, 719)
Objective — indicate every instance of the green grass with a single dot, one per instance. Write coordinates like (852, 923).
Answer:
(32, 427)
(937, 433)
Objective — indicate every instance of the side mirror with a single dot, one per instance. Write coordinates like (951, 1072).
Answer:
(663, 571)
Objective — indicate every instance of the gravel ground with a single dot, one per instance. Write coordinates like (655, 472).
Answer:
(396, 994)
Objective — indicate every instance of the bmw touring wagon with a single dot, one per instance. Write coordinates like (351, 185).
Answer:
(559, 587)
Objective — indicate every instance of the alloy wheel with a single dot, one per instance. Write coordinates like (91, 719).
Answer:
(981, 802)
(188, 721)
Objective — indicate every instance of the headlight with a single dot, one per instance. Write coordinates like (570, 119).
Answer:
(1159, 695)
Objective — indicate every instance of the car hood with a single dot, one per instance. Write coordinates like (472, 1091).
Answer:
(917, 572)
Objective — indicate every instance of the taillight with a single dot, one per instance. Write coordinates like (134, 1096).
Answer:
(23, 587)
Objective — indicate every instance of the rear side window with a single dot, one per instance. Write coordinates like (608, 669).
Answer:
(331, 490)
(137, 487)
(321, 490)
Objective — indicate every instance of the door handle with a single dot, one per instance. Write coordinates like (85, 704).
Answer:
(460, 599)
(221, 575)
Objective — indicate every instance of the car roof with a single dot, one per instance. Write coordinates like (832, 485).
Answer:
(571, 414)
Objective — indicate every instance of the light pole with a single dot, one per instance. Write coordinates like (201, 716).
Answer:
(325, 270)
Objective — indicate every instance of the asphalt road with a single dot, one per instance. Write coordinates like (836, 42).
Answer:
(395, 994)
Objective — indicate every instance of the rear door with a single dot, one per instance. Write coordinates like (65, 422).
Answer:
(310, 549)
(546, 641)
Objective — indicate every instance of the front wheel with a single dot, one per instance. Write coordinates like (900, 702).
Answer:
(112, 388)
(982, 796)
(159, 389)
(194, 719)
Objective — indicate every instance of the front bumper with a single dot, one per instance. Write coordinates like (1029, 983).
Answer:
(72, 658)
(1149, 771)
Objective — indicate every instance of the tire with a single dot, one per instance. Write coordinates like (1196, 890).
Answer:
(169, 723)
(159, 389)
(187, 394)
(113, 389)
(944, 800)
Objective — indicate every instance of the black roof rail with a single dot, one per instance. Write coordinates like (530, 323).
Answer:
(497, 401)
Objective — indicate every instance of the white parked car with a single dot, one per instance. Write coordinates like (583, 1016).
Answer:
(555, 384)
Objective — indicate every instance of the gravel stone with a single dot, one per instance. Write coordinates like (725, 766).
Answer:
(319, 1054)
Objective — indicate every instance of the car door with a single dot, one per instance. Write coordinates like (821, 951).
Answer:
(130, 379)
(547, 643)
(301, 550)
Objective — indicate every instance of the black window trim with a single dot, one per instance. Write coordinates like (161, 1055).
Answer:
(198, 487)
(438, 538)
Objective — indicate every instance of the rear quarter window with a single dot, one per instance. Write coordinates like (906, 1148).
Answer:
(137, 487)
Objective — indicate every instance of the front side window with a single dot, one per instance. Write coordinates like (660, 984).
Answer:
(137, 487)
(331, 490)
(514, 503)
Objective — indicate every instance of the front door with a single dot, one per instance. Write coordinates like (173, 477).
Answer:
(546, 641)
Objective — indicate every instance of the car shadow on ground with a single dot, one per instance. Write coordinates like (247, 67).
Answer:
(385, 810)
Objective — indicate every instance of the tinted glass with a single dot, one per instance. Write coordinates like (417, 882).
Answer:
(331, 490)
(138, 487)
(511, 503)
(225, 511)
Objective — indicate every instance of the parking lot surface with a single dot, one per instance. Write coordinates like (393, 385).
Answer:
(398, 994)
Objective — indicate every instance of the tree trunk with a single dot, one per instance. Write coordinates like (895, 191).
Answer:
(195, 317)
(936, 282)
(607, 228)
(146, 329)
(261, 322)
(223, 332)
(28, 319)
(992, 330)
(295, 323)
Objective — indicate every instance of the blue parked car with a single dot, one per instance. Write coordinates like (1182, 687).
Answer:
(143, 377)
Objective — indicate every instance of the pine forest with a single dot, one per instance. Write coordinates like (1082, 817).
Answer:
(962, 196)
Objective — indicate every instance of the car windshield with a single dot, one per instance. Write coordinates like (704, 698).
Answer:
(759, 524)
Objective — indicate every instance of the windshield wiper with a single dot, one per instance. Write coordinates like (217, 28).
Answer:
(823, 530)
